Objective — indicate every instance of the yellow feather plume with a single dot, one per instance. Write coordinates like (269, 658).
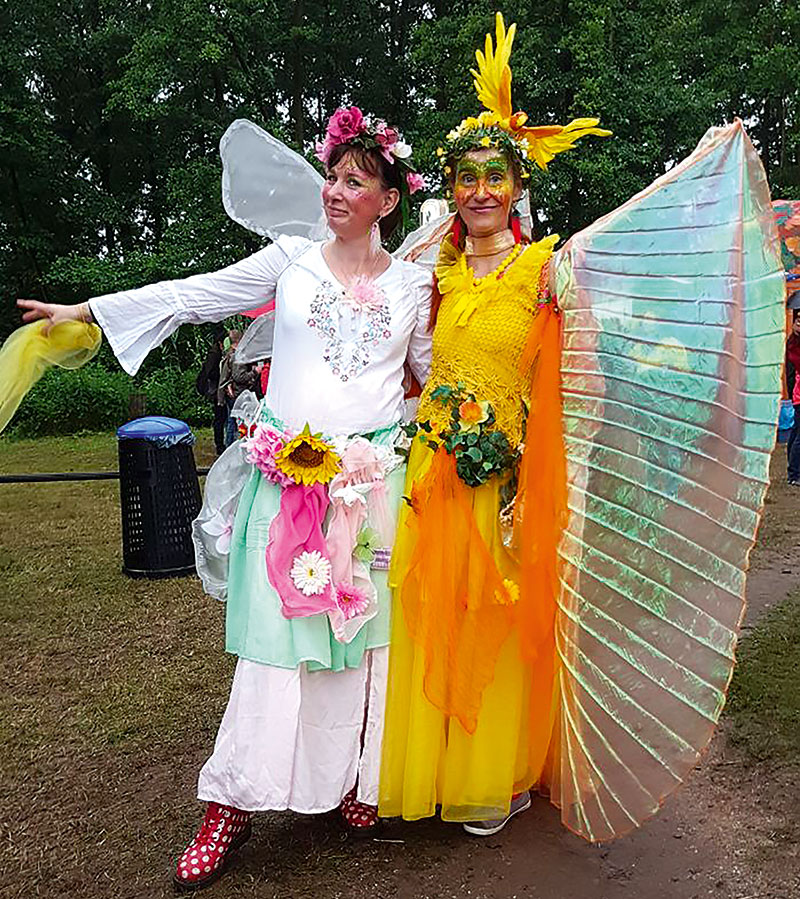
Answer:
(493, 76)
(543, 149)
(492, 79)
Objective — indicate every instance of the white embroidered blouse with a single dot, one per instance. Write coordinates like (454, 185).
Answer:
(336, 364)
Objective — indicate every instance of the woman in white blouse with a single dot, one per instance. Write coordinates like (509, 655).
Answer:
(303, 725)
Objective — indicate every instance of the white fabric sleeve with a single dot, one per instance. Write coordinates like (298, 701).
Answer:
(137, 321)
(419, 345)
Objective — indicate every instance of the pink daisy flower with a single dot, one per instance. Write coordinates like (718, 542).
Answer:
(364, 295)
(351, 600)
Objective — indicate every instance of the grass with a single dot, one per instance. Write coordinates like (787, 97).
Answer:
(764, 702)
(103, 676)
(113, 690)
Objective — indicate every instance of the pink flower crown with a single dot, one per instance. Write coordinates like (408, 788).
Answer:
(351, 126)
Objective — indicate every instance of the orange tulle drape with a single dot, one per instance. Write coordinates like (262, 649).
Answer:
(463, 592)
(540, 516)
(455, 602)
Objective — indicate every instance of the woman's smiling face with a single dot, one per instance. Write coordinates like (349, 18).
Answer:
(484, 189)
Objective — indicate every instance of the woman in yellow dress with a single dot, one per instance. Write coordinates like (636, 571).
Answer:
(471, 703)
(567, 607)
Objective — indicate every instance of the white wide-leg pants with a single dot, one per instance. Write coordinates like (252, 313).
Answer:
(297, 739)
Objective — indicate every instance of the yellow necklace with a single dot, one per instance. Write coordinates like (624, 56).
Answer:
(495, 273)
(474, 288)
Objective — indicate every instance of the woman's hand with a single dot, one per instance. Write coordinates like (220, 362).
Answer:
(54, 312)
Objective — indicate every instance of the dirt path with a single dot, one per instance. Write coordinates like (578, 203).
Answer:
(106, 725)
(732, 832)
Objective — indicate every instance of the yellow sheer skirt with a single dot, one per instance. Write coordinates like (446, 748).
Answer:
(468, 719)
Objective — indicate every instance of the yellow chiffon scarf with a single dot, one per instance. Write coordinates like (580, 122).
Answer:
(32, 349)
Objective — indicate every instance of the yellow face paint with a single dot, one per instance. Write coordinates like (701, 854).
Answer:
(481, 178)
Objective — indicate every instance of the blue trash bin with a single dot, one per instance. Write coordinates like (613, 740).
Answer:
(159, 497)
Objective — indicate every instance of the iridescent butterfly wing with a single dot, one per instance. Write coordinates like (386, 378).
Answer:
(673, 311)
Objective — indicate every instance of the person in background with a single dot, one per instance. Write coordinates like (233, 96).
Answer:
(225, 394)
(793, 388)
(262, 369)
(207, 385)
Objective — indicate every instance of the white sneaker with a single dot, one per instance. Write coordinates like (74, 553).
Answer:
(488, 828)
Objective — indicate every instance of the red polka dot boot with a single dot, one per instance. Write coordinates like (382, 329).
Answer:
(223, 831)
(361, 819)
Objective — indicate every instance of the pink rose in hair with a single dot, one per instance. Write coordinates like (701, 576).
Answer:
(387, 139)
(345, 124)
(415, 182)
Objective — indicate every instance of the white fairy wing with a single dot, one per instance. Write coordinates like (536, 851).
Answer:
(213, 527)
(672, 349)
(422, 246)
(268, 188)
(257, 341)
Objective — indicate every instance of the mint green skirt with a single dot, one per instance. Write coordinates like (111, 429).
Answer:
(255, 626)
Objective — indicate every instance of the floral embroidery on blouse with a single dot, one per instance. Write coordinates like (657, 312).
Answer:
(350, 326)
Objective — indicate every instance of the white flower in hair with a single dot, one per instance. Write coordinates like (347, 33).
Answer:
(401, 150)
(311, 572)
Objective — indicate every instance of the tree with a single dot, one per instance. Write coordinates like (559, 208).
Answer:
(111, 113)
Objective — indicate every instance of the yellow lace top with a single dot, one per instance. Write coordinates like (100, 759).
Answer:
(481, 332)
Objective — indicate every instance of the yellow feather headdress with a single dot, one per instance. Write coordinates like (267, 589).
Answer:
(498, 126)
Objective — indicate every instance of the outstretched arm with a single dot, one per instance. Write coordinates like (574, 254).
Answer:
(136, 321)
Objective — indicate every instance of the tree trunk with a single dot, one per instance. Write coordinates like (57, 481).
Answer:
(298, 73)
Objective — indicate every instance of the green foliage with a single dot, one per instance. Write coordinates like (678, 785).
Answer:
(171, 392)
(480, 452)
(96, 399)
(111, 114)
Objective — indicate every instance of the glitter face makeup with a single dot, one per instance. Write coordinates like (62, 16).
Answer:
(484, 191)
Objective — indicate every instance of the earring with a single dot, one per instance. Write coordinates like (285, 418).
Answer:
(375, 234)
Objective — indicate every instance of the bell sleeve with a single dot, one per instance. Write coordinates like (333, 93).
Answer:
(137, 321)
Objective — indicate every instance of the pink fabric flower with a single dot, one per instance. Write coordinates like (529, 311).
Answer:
(345, 124)
(261, 450)
(415, 182)
(387, 139)
(386, 136)
(364, 295)
(351, 600)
